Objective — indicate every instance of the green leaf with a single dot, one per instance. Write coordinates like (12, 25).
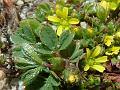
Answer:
(77, 58)
(17, 51)
(89, 8)
(17, 39)
(24, 63)
(49, 37)
(40, 48)
(77, 52)
(50, 84)
(25, 33)
(27, 29)
(114, 61)
(60, 2)
(102, 13)
(29, 76)
(31, 24)
(99, 68)
(57, 63)
(65, 39)
(47, 86)
(31, 51)
(24, 68)
(111, 27)
(88, 53)
(2, 59)
(1, 43)
(53, 81)
(97, 51)
(42, 11)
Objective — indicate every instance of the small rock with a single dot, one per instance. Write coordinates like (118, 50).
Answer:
(20, 2)
(118, 57)
(25, 9)
(3, 79)
(2, 74)
(3, 39)
(3, 85)
(22, 16)
(30, 14)
(83, 25)
(28, 1)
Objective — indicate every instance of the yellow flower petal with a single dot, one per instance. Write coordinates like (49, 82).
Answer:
(108, 43)
(73, 21)
(104, 4)
(59, 30)
(53, 18)
(72, 78)
(65, 12)
(108, 40)
(108, 53)
(117, 35)
(115, 50)
(86, 68)
(113, 5)
(90, 30)
(76, 29)
(101, 59)
(99, 68)
(118, 1)
(97, 51)
(88, 52)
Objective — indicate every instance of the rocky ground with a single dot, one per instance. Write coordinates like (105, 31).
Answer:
(11, 13)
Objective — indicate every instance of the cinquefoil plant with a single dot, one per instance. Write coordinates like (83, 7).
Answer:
(67, 46)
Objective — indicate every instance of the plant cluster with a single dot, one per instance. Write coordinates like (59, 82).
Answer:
(72, 44)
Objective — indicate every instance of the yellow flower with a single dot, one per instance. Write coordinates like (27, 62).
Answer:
(104, 4)
(110, 4)
(117, 35)
(118, 1)
(113, 50)
(72, 78)
(93, 61)
(90, 30)
(62, 20)
(108, 40)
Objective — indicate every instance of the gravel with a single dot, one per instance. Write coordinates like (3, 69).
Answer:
(24, 9)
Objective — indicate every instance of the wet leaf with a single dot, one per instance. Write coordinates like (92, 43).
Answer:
(29, 76)
(50, 84)
(65, 39)
(42, 11)
(49, 37)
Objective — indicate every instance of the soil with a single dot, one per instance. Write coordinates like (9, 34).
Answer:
(11, 13)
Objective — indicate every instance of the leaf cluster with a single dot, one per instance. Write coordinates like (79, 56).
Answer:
(66, 61)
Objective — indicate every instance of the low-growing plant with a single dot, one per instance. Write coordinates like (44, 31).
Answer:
(67, 45)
